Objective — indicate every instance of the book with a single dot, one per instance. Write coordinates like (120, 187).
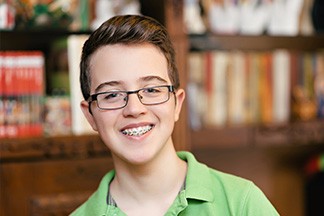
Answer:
(10, 97)
(236, 87)
(253, 89)
(265, 86)
(79, 124)
(22, 91)
(2, 96)
(7, 15)
(208, 87)
(224, 17)
(219, 105)
(57, 115)
(195, 89)
(281, 86)
(254, 16)
(192, 17)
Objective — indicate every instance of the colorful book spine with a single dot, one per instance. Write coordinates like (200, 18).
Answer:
(21, 92)
(2, 92)
(255, 87)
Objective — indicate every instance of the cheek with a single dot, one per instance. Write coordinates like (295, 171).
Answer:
(104, 120)
(168, 114)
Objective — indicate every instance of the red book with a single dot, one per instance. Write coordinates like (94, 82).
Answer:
(10, 101)
(24, 122)
(2, 92)
(37, 70)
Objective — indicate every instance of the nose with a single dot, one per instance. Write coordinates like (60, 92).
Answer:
(134, 106)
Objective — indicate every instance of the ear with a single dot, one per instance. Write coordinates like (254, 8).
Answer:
(85, 109)
(179, 96)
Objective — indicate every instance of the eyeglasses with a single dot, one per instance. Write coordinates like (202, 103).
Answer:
(112, 100)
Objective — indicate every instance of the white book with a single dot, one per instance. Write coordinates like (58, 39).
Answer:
(195, 90)
(193, 21)
(281, 86)
(219, 92)
(224, 18)
(236, 94)
(284, 19)
(80, 124)
(254, 16)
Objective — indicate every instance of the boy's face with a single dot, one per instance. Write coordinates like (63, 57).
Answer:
(128, 68)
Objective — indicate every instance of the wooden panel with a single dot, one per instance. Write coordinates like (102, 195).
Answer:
(289, 134)
(174, 18)
(32, 39)
(57, 204)
(52, 147)
(180, 134)
(222, 137)
(243, 42)
(297, 133)
(21, 182)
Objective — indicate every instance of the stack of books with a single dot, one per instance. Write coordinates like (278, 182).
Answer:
(21, 93)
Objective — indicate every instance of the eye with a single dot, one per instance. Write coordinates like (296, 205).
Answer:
(111, 96)
(152, 90)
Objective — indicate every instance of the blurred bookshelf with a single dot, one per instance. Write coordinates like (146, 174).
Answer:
(294, 128)
(234, 129)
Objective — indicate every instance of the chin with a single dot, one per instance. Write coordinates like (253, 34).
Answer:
(140, 158)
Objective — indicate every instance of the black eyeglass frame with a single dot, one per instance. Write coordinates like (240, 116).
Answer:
(93, 97)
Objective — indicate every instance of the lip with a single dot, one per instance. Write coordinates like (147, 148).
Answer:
(136, 125)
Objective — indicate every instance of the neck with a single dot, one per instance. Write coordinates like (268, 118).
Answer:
(158, 180)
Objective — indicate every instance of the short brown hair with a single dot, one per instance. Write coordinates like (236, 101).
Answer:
(128, 29)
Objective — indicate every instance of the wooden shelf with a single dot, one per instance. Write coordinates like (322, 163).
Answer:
(227, 137)
(255, 43)
(44, 148)
(291, 134)
(32, 39)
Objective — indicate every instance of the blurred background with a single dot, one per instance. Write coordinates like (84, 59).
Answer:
(253, 71)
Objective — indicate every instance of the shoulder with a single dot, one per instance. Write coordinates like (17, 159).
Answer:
(230, 183)
(200, 174)
(225, 192)
(240, 195)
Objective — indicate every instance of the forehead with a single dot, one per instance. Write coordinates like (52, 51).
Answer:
(127, 64)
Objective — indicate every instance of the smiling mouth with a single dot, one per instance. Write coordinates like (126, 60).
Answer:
(139, 131)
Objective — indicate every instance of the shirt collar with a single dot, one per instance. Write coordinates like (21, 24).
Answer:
(199, 185)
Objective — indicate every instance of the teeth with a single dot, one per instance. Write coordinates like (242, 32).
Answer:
(137, 131)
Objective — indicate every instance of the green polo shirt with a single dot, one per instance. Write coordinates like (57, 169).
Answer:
(208, 192)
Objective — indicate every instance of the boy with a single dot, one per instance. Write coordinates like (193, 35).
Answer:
(132, 98)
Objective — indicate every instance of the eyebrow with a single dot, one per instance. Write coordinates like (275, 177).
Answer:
(109, 83)
(151, 78)
(118, 83)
